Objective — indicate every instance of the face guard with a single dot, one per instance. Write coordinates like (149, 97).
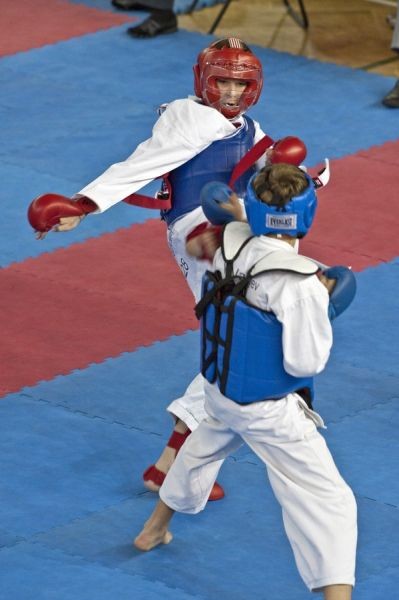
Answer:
(294, 219)
(234, 61)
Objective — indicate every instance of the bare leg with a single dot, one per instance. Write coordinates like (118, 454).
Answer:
(155, 530)
(168, 455)
(338, 592)
(155, 474)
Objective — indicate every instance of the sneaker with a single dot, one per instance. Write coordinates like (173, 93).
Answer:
(156, 24)
(129, 5)
(391, 100)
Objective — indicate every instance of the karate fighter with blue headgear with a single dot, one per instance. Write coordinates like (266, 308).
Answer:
(265, 333)
(195, 140)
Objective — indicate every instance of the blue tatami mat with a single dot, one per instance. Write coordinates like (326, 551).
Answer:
(342, 390)
(128, 389)
(204, 546)
(367, 333)
(57, 465)
(366, 447)
(34, 571)
(378, 587)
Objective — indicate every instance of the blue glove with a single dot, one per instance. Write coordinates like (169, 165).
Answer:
(344, 290)
(213, 194)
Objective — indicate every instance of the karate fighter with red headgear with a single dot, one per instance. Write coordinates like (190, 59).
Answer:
(195, 140)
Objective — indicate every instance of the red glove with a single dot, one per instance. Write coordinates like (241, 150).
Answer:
(45, 211)
(289, 150)
(206, 227)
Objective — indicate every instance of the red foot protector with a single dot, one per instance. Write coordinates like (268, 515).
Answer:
(152, 476)
(30, 24)
(88, 302)
(356, 222)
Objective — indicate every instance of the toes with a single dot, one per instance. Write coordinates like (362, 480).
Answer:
(145, 542)
(167, 538)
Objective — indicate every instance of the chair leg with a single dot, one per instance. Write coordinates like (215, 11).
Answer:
(220, 16)
(302, 17)
(192, 7)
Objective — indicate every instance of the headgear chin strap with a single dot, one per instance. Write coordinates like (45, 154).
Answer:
(294, 219)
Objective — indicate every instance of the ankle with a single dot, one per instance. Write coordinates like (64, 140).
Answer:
(162, 15)
(338, 592)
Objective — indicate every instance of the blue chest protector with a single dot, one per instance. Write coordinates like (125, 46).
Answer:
(241, 345)
(215, 163)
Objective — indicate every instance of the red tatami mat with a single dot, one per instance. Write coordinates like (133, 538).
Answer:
(94, 300)
(358, 216)
(27, 24)
(387, 153)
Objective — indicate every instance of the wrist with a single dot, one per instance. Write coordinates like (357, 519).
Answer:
(86, 205)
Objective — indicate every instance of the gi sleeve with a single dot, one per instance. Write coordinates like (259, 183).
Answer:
(183, 130)
(307, 332)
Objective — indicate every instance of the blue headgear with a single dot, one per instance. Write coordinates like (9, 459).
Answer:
(294, 219)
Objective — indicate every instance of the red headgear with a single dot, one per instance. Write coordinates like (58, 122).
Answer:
(228, 59)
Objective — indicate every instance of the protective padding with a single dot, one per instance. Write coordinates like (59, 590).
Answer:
(213, 194)
(344, 290)
(228, 63)
(253, 343)
(295, 219)
(290, 150)
(45, 212)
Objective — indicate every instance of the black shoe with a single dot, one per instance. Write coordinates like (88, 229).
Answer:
(153, 26)
(391, 100)
(129, 5)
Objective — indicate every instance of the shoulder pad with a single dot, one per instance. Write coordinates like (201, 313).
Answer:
(280, 260)
(235, 236)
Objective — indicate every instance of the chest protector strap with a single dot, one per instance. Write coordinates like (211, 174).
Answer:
(241, 345)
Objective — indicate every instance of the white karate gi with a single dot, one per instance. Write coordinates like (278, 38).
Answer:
(182, 131)
(318, 507)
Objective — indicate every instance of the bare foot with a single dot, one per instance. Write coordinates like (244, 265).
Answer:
(147, 540)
